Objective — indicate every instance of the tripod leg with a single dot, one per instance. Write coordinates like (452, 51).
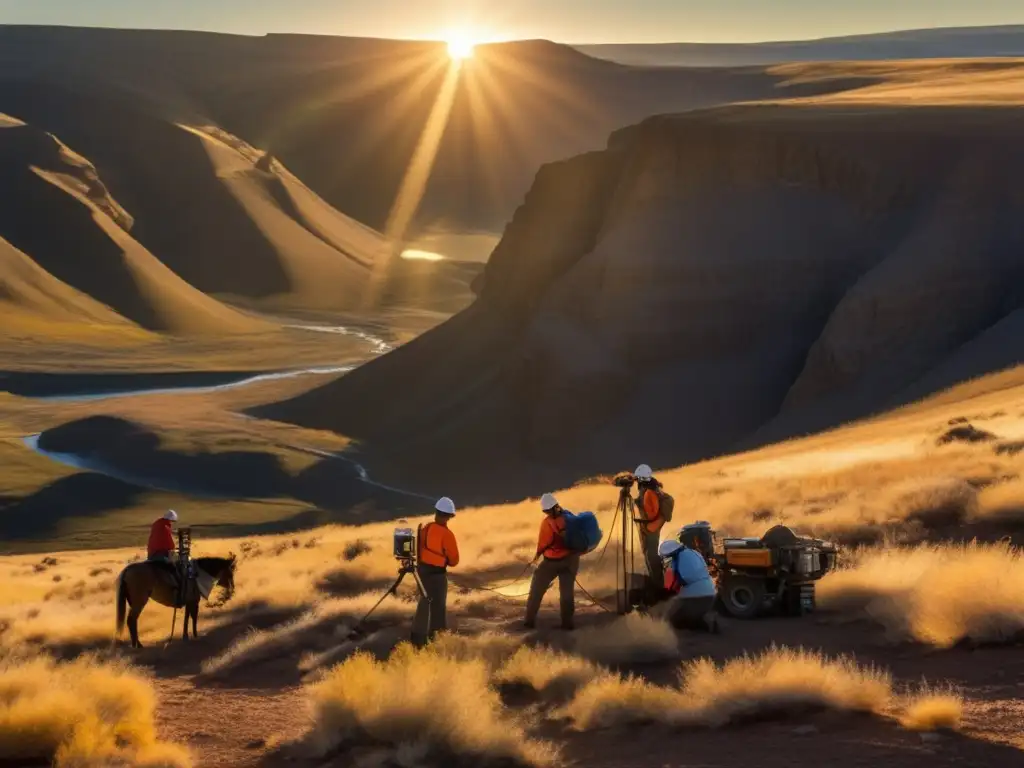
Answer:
(626, 515)
(390, 591)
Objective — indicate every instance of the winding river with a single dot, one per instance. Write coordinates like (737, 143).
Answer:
(97, 465)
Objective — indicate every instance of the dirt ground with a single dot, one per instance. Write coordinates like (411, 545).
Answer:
(265, 706)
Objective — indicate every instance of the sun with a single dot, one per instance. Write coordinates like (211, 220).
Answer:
(460, 46)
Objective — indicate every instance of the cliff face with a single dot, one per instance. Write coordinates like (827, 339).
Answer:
(712, 277)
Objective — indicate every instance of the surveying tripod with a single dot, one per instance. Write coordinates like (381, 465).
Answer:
(629, 596)
(406, 566)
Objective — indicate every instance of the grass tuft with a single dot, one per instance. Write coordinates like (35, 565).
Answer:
(939, 595)
(777, 683)
(423, 704)
(80, 714)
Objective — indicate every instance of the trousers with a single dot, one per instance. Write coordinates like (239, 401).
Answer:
(565, 571)
(650, 542)
(432, 611)
(689, 612)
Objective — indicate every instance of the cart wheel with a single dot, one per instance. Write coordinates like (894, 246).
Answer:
(742, 597)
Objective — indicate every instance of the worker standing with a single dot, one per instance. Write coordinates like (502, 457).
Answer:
(693, 590)
(437, 550)
(649, 520)
(559, 562)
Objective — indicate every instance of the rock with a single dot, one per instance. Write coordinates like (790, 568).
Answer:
(256, 744)
(930, 737)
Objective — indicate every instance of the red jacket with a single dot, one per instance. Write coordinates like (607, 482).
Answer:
(160, 537)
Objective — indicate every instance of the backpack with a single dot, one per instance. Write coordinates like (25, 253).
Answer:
(582, 532)
(666, 505)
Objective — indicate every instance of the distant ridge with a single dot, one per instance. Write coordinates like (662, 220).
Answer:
(938, 43)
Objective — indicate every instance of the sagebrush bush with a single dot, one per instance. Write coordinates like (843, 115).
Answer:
(443, 709)
(780, 682)
(553, 674)
(80, 714)
(938, 594)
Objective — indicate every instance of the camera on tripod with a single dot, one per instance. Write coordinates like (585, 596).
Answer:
(404, 544)
(624, 480)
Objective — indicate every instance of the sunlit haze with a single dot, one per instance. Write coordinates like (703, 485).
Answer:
(461, 45)
(573, 21)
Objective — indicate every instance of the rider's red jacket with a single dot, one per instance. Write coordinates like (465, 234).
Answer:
(161, 539)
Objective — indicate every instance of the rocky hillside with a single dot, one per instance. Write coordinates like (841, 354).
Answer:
(68, 253)
(346, 115)
(712, 280)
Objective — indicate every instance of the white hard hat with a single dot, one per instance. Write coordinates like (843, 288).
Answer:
(643, 472)
(171, 515)
(548, 501)
(445, 506)
(668, 548)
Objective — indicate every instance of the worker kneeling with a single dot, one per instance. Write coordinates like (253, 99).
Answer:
(436, 551)
(692, 588)
(559, 562)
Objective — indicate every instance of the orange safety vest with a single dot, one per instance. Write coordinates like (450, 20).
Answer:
(551, 542)
(437, 546)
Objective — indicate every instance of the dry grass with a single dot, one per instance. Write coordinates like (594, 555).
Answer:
(778, 682)
(80, 714)
(1002, 502)
(439, 710)
(632, 639)
(933, 711)
(552, 674)
(939, 595)
(326, 622)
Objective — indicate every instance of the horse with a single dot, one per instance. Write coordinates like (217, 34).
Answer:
(147, 579)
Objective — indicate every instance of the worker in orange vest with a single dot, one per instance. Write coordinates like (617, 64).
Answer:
(649, 521)
(559, 562)
(436, 551)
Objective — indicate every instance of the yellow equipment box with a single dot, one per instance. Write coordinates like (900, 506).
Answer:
(749, 558)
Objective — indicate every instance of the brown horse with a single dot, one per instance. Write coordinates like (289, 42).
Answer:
(140, 582)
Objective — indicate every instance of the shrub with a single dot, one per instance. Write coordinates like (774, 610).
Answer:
(936, 594)
(439, 708)
(777, 683)
(82, 713)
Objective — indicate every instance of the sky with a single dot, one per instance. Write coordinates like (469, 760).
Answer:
(569, 21)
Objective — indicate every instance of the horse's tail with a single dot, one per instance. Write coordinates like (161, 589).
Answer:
(122, 603)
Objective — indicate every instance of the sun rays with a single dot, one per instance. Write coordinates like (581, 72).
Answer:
(461, 45)
(478, 105)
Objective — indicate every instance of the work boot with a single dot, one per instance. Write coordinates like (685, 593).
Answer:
(568, 626)
(529, 624)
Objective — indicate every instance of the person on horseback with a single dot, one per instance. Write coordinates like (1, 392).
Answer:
(161, 547)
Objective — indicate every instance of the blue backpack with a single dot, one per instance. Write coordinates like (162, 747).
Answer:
(582, 532)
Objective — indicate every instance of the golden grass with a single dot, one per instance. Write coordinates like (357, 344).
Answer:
(938, 595)
(1002, 502)
(80, 714)
(333, 618)
(419, 702)
(778, 682)
(933, 712)
(552, 674)
(631, 639)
